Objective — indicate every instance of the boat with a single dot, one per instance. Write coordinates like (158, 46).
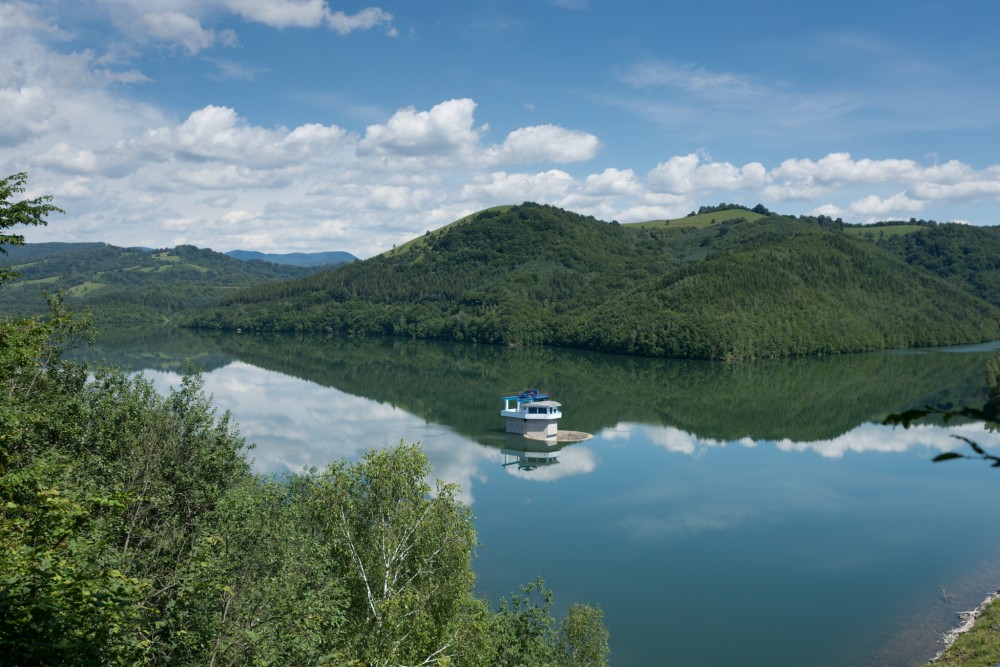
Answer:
(533, 414)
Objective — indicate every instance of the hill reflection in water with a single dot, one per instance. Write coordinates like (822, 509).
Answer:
(762, 498)
(796, 399)
(827, 405)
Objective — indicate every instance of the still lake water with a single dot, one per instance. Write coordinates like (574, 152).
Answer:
(722, 515)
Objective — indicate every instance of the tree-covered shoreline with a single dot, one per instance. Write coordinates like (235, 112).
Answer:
(727, 283)
(538, 275)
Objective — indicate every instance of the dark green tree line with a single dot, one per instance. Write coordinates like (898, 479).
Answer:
(530, 275)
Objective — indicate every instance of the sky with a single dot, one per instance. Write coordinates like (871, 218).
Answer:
(317, 125)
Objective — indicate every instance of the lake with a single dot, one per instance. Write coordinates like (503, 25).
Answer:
(753, 514)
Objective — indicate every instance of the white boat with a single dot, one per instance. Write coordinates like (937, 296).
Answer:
(532, 414)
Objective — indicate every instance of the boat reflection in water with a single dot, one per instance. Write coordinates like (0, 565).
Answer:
(531, 455)
(533, 415)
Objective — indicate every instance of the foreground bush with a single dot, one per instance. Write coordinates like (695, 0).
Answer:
(132, 531)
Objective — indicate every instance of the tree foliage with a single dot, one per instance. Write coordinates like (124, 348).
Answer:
(583, 639)
(965, 255)
(759, 208)
(531, 274)
(404, 555)
(134, 532)
(32, 212)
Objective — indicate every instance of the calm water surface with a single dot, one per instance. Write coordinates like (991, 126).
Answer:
(722, 515)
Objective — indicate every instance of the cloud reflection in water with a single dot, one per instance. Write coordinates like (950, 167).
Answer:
(296, 424)
(863, 438)
(573, 460)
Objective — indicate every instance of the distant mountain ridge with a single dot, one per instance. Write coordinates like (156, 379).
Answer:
(129, 284)
(723, 287)
(308, 259)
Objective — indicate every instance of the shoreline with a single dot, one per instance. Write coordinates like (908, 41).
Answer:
(969, 619)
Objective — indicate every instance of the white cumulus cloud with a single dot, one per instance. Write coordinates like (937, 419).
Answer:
(873, 205)
(27, 111)
(62, 157)
(218, 133)
(281, 13)
(978, 186)
(547, 143)
(134, 174)
(182, 29)
(501, 187)
(689, 173)
(447, 129)
(190, 23)
(309, 14)
(612, 182)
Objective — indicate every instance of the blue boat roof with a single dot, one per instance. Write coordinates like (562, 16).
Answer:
(527, 396)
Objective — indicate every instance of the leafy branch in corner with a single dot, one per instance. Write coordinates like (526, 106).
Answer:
(980, 453)
(989, 413)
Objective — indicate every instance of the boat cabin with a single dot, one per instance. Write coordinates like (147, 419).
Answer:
(532, 414)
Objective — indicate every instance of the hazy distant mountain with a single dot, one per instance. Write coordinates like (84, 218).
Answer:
(296, 258)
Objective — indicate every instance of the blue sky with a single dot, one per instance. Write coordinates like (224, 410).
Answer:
(308, 125)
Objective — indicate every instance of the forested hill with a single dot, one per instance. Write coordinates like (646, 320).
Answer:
(965, 255)
(128, 284)
(534, 274)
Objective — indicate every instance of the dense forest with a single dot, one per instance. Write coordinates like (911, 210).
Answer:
(133, 532)
(726, 282)
(965, 255)
(125, 285)
(764, 287)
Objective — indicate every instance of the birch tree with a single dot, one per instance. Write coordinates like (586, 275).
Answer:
(405, 555)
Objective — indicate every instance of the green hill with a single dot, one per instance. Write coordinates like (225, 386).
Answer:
(882, 232)
(128, 284)
(965, 255)
(469, 281)
(788, 289)
(421, 243)
(535, 274)
(707, 216)
(700, 220)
